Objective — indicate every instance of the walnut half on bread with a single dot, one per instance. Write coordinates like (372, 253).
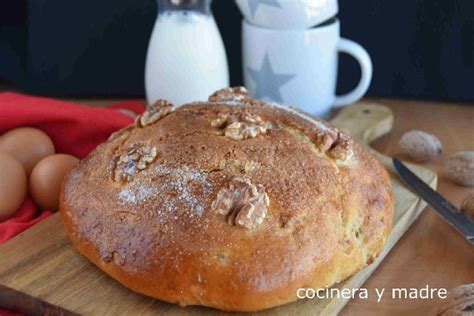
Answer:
(231, 203)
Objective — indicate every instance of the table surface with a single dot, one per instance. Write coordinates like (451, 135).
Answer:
(431, 252)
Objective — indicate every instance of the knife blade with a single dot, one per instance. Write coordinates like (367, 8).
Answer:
(460, 221)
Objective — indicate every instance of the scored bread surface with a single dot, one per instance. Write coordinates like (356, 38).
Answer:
(144, 206)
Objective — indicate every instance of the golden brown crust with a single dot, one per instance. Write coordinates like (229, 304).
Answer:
(156, 233)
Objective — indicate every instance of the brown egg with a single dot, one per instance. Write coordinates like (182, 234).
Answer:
(28, 146)
(12, 185)
(46, 178)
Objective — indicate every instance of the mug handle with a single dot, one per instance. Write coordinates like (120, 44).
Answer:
(363, 58)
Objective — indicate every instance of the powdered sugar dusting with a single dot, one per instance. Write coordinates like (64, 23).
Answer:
(134, 195)
(175, 188)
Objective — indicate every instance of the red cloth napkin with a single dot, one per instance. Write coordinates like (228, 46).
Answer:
(74, 128)
(4, 312)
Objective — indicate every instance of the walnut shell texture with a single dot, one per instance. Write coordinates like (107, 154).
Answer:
(460, 302)
(467, 205)
(420, 146)
(459, 167)
(313, 212)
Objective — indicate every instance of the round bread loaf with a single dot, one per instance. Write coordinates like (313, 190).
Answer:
(232, 203)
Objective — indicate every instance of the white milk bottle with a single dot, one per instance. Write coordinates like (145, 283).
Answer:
(186, 60)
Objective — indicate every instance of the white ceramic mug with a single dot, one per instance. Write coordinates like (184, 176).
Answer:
(299, 67)
(287, 14)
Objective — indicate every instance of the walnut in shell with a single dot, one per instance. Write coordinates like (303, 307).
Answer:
(459, 167)
(467, 205)
(420, 146)
(460, 302)
(243, 203)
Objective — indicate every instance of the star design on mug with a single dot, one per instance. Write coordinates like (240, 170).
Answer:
(253, 4)
(267, 81)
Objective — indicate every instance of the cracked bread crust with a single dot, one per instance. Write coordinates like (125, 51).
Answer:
(157, 234)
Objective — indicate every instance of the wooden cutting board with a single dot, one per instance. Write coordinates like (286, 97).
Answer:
(41, 272)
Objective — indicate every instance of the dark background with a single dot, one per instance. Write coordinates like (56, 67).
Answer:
(420, 48)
